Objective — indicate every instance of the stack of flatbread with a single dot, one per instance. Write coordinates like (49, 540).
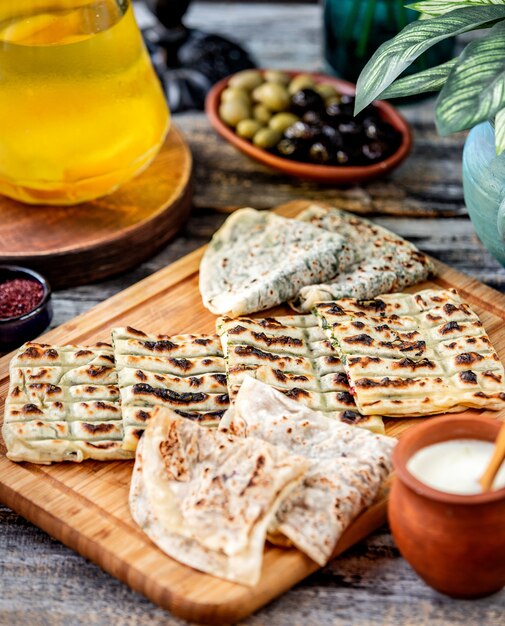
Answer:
(259, 259)
(293, 355)
(63, 405)
(415, 354)
(209, 498)
(182, 372)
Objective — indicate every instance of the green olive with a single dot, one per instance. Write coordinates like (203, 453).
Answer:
(248, 128)
(266, 138)
(326, 91)
(234, 93)
(302, 81)
(272, 95)
(234, 111)
(281, 121)
(276, 76)
(261, 113)
(247, 80)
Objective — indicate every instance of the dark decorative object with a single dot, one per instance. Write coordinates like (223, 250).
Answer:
(188, 61)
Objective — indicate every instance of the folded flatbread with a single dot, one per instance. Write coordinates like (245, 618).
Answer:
(347, 468)
(384, 261)
(415, 354)
(292, 354)
(63, 405)
(183, 372)
(258, 259)
(206, 498)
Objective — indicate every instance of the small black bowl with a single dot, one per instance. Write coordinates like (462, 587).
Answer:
(14, 331)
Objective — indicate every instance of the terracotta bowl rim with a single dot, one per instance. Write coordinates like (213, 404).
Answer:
(346, 174)
(400, 461)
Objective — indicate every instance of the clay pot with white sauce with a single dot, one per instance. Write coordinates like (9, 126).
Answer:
(456, 543)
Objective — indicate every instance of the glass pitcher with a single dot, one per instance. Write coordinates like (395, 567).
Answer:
(81, 108)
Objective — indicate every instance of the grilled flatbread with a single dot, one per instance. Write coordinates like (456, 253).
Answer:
(206, 498)
(259, 259)
(347, 465)
(183, 372)
(415, 354)
(384, 262)
(293, 355)
(63, 405)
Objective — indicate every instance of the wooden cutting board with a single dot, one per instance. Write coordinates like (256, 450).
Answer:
(86, 506)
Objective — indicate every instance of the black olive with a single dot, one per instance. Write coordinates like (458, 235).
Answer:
(369, 112)
(301, 130)
(350, 127)
(333, 111)
(371, 130)
(388, 133)
(375, 150)
(306, 100)
(345, 98)
(288, 148)
(332, 136)
(319, 153)
(342, 157)
(313, 117)
(372, 117)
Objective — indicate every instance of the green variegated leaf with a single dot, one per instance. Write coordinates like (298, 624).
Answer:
(440, 7)
(499, 130)
(475, 89)
(394, 56)
(431, 79)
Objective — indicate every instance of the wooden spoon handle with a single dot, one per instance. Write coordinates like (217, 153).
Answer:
(486, 480)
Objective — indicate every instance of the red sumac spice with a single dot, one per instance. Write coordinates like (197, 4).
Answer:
(19, 296)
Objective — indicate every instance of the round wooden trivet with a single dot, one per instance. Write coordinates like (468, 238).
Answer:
(90, 241)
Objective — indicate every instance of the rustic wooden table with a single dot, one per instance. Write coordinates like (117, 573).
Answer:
(42, 583)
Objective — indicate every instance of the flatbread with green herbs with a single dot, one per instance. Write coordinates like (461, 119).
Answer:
(63, 405)
(293, 355)
(409, 355)
(258, 259)
(384, 262)
(185, 373)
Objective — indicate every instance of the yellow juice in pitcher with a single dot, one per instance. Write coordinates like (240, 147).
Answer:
(81, 109)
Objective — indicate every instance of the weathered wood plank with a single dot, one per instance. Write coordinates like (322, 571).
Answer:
(370, 584)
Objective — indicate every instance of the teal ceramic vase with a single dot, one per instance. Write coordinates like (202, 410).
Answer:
(484, 186)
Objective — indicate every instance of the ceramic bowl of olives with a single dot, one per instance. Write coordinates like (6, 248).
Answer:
(304, 125)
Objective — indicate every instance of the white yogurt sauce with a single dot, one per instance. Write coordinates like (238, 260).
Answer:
(455, 466)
